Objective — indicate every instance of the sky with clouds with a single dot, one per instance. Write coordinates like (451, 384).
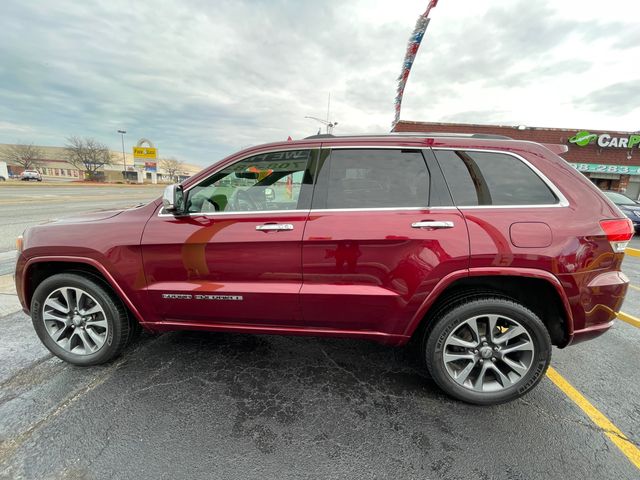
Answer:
(203, 78)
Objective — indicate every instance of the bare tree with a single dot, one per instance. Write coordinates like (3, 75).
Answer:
(88, 154)
(172, 166)
(27, 156)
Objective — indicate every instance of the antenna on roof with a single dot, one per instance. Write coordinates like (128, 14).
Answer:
(327, 123)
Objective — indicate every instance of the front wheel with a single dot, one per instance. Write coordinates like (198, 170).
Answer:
(79, 319)
(487, 350)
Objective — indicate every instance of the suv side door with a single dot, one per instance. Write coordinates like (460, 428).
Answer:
(381, 234)
(236, 256)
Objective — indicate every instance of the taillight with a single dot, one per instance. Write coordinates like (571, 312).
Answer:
(618, 232)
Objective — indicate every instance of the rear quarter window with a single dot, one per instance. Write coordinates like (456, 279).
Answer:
(488, 178)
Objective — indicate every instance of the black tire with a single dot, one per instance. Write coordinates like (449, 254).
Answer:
(115, 315)
(449, 319)
(135, 330)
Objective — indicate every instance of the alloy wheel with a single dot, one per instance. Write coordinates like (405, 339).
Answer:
(75, 320)
(488, 353)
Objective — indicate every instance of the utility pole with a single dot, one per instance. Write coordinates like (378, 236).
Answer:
(124, 162)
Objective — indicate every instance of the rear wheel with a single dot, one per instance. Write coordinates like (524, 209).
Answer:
(79, 320)
(487, 350)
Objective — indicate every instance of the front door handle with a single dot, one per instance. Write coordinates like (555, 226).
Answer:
(268, 227)
(432, 224)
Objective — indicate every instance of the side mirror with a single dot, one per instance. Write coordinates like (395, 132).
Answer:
(173, 199)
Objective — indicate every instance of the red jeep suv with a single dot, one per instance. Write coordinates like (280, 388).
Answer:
(484, 250)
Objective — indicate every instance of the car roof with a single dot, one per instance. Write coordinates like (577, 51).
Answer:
(410, 134)
(411, 140)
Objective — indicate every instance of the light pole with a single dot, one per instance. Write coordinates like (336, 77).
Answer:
(124, 163)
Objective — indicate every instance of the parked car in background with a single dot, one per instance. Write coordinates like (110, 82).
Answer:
(28, 175)
(629, 207)
(484, 251)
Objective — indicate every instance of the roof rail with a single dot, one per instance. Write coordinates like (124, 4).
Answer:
(416, 134)
(321, 135)
(451, 134)
(491, 136)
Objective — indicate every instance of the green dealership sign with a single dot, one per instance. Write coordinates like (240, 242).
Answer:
(604, 140)
(599, 168)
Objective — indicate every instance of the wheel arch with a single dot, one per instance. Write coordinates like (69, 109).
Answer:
(531, 287)
(38, 269)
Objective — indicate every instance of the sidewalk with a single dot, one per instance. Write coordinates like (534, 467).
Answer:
(8, 298)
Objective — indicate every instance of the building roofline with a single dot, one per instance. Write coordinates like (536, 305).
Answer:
(513, 127)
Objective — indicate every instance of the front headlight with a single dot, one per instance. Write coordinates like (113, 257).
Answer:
(19, 244)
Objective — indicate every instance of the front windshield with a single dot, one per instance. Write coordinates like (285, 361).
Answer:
(619, 199)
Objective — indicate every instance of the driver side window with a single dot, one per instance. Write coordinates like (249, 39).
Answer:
(264, 182)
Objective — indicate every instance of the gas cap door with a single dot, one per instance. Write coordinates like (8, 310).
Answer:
(530, 234)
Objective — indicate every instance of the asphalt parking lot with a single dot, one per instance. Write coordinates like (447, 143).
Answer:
(193, 405)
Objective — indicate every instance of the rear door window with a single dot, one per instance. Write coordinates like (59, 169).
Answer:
(373, 178)
(488, 178)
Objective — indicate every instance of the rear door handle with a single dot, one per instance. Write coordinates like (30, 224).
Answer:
(432, 224)
(267, 227)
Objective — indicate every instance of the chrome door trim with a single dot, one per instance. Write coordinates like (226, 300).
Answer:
(433, 224)
(274, 227)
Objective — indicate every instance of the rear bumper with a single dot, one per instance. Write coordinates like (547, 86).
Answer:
(589, 333)
(595, 299)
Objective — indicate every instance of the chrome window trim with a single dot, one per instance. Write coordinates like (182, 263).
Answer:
(223, 214)
(562, 200)
(330, 210)
(369, 209)
(382, 209)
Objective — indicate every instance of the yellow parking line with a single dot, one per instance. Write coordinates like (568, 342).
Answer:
(630, 319)
(634, 287)
(634, 252)
(610, 430)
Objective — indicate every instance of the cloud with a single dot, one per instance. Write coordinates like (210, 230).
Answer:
(617, 99)
(202, 79)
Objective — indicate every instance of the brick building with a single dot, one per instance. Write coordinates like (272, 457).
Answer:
(610, 159)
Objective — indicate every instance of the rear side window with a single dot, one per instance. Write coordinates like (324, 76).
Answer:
(487, 178)
(370, 178)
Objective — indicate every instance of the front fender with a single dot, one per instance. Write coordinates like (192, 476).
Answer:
(25, 265)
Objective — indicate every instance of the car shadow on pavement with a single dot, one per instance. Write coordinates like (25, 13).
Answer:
(346, 367)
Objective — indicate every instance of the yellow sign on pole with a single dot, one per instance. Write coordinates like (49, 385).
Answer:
(145, 152)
